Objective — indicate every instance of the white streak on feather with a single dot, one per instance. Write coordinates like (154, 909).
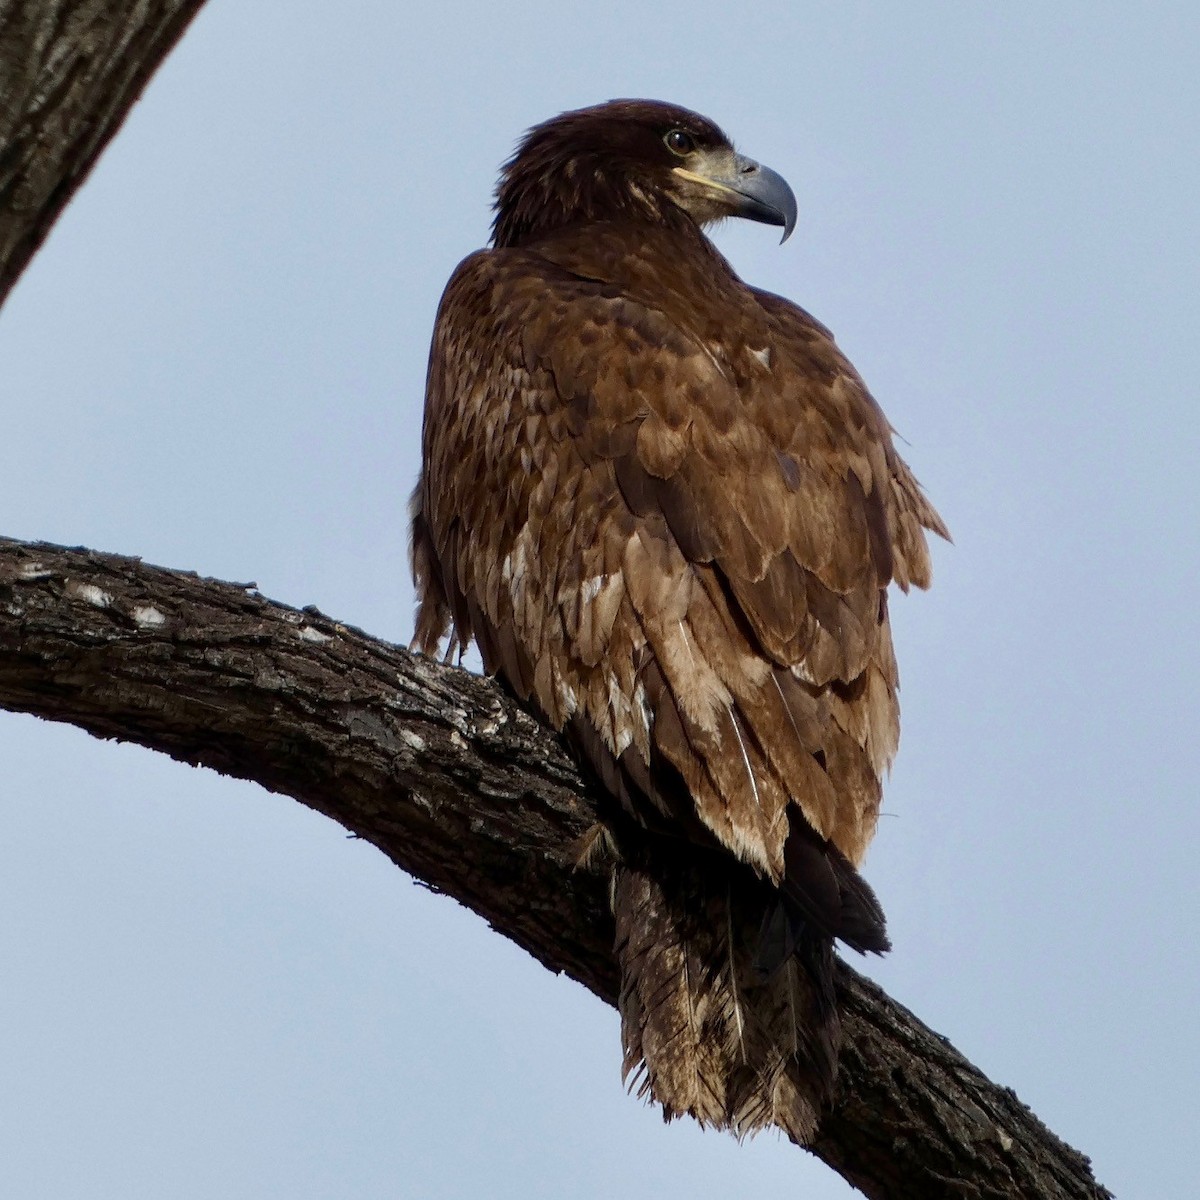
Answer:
(716, 362)
(786, 707)
(621, 714)
(512, 571)
(708, 696)
(801, 672)
(745, 759)
(589, 589)
(687, 644)
(643, 705)
(738, 1019)
(566, 697)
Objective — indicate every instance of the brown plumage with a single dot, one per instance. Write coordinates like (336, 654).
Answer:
(667, 509)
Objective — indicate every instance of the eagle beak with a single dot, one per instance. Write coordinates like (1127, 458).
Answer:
(748, 189)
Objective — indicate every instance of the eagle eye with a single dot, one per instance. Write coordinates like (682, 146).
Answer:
(680, 142)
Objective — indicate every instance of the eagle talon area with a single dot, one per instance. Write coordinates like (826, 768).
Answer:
(667, 510)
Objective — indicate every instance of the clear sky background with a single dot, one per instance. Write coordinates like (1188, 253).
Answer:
(217, 363)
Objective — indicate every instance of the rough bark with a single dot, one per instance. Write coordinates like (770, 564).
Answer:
(70, 70)
(463, 790)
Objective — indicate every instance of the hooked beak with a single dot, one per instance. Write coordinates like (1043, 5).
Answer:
(747, 189)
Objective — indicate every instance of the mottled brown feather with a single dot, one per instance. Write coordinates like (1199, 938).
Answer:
(667, 510)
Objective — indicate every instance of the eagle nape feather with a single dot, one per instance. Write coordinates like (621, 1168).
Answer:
(668, 511)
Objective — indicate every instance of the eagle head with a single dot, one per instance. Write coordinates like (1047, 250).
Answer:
(639, 160)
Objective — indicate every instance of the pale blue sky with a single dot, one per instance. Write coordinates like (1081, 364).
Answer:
(217, 363)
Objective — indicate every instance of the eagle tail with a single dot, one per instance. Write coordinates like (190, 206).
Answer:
(708, 1030)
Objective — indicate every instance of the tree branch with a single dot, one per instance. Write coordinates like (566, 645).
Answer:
(466, 792)
(70, 71)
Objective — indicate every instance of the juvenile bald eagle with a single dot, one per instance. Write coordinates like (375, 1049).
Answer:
(667, 510)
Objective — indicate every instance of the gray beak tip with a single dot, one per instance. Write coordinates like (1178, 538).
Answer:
(766, 196)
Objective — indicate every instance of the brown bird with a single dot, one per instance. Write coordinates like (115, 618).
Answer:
(667, 509)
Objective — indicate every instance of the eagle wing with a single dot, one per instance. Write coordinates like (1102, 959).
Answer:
(675, 542)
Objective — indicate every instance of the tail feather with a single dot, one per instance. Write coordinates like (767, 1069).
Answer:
(828, 894)
(705, 1029)
(668, 1005)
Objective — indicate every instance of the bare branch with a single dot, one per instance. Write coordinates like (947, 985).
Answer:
(463, 790)
(70, 70)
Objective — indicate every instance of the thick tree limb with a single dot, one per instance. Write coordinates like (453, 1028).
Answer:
(70, 70)
(463, 790)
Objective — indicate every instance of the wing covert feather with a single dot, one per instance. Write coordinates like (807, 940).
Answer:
(679, 543)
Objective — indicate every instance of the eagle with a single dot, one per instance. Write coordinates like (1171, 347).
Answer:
(667, 510)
